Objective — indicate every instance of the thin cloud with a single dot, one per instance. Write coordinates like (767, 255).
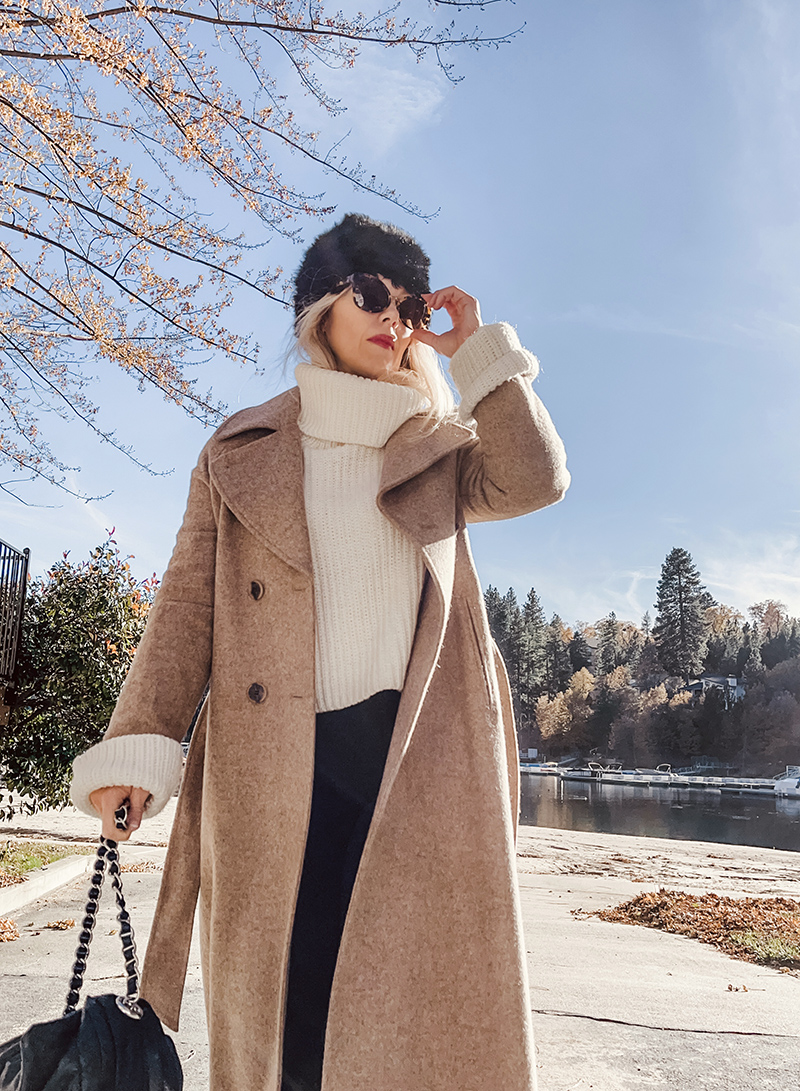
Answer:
(742, 572)
(628, 593)
(385, 104)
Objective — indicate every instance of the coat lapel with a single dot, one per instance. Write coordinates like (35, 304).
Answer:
(259, 474)
(424, 505)
(414, 448)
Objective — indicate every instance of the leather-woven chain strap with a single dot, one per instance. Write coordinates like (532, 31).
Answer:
(107, 854)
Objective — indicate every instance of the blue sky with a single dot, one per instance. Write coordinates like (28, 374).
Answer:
(621, 183)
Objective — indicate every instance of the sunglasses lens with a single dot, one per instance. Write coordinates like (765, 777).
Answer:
(414, 312)
(370, 294)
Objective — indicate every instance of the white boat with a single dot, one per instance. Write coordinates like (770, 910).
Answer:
(582, 772)
(789, 784)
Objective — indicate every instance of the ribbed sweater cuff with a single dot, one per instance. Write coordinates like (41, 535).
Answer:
(152, 762)
(486, 360)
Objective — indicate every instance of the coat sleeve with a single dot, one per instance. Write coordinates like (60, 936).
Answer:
(170, 669)
(516, 463)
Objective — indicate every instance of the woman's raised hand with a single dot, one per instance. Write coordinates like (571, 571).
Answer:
(106, 801)
(465, 314)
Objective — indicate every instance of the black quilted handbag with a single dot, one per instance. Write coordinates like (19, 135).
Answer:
(113, 1043)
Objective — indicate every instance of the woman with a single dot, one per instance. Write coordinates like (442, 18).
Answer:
(350, 796)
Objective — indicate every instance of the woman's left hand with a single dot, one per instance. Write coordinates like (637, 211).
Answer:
(465, 314)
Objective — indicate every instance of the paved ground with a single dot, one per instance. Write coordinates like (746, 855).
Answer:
(616, 1007)
(71, 825)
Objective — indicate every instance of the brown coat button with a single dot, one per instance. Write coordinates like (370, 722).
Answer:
(257, 693)
(256, 589)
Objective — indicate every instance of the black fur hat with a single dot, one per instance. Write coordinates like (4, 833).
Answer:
(360, 245)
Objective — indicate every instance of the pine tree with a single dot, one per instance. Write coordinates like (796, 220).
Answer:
(497, 613)
(534, 614)
(558, 669)
(680, 629)
(749, 663)
(794, 639)
(508, 629)
(647, 670)
(535, 654)
(513, 648)
(780, 643)
(580, 654)
(633, 644)
(609, 649)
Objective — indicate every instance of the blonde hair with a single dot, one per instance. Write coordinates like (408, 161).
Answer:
(420, 368)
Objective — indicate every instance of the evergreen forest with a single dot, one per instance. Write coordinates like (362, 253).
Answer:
(698, 682)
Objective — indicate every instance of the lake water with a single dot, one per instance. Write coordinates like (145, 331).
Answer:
(683, 813)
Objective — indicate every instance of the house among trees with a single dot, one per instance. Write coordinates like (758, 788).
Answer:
(733, 689)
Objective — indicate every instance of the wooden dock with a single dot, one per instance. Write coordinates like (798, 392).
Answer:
(645, 778)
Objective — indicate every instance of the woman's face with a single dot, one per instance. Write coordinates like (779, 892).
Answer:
(371, 345)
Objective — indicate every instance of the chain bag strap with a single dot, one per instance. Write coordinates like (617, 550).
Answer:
(107, 856)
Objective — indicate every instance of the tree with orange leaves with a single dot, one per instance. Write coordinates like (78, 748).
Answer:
(114, 118)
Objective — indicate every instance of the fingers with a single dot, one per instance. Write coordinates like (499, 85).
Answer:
(428, 337)
(111, 800)
(452, 295)
(138, 798)
(108, 801)
(464, 312)
(444, 343)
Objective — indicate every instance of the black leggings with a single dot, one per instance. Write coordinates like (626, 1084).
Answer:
(349, 757)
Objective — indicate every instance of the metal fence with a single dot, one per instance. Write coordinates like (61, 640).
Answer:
(13, 580)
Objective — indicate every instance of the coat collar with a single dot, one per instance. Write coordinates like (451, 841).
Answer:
(258, 468)
(415, 446)
(274, 414)
(257, 465)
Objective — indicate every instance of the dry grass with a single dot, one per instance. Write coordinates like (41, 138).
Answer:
(762, 930)
(19, 857)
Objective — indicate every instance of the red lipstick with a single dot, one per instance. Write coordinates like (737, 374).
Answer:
(384, 341)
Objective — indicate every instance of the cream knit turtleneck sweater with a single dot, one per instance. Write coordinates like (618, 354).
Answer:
(367, 573)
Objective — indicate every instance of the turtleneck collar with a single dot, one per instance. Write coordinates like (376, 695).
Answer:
(344, 408)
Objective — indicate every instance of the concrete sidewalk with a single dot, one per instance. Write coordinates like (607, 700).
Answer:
(615, 1007)
(618, 1007)
(70, 824)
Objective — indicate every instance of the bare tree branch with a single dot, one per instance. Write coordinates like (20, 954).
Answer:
(113, 120)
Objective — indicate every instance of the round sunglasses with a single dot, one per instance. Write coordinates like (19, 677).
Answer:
(370, 294)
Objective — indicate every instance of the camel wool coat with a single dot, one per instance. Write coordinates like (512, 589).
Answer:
(430, 991)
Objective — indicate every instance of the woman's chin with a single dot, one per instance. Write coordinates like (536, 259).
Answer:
(373, 369)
